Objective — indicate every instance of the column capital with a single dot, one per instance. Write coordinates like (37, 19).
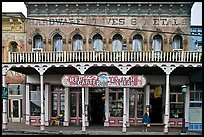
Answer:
(41, 69)
(124, 69)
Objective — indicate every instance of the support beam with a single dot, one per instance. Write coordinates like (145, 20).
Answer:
(124, 112)
(5, 106)
(83, 111)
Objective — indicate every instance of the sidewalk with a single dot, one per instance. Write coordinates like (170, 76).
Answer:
(91, 130)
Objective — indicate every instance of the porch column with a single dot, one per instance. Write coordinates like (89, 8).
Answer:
(167, 70)
(47, 104)
(27, 104)
(86, 105)
(166, 113)
(5, 105)
(42, 120)
(124, 110)
(187, 105)
(106, 123)
(83, 111)
(147, 92)
(127, 101)
(66, 108)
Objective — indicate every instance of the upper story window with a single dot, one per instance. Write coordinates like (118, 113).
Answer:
(13, 46)
(57, 40)
(97, 42)
(177, 42)
(157, 43)
(137, 43)
(77, 43)
(117, 43)
(38, 43)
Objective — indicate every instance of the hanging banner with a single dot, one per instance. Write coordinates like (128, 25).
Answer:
(157, 92)
(103, 80)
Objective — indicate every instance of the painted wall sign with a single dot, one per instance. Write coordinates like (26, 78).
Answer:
(112, 21)
(103, 80)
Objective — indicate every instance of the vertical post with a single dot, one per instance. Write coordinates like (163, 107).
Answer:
(5, 104)
(183, 130)
(86, 105)
(106, 123)
(42, 126)
(83, 111)
(27, 104)
(166, 116)
(147, 99)
(47, 105)
(66, 111)
(124, 110)
(127, 107)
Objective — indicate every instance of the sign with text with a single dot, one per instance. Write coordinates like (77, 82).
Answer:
(103, 80)
(4, 93)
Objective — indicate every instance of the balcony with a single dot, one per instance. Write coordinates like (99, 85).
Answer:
(105, 56)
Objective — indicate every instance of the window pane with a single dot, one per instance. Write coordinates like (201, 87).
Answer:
(176, 110)
(35, 108)
(80, 105)
(54, 104)
(57, 43)
(172, 97)
(73, 105)
(180, 97)
(116, 104)
(62, 103)
(14, 89)
(156, 45)
(132, 106)
(140, 99)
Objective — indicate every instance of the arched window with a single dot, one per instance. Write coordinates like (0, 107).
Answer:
(77, 42)
(157, 43)
(38, 41)
(177, 42)
(137, 43)
(117, 43)
(57, 40)
(13, 47)
(97, 42)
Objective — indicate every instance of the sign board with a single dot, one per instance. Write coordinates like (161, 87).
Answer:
(4, 93)
(103, 80)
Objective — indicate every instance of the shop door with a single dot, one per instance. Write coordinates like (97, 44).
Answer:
(15, 110)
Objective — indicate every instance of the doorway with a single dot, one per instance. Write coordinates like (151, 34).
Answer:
(96, 108)
(155, 109)
(15, 110)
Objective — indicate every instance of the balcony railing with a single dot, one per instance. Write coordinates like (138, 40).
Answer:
(105, 56)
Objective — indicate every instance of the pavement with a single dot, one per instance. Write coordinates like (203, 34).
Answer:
(22, 128)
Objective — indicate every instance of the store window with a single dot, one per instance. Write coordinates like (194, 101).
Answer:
(57, 104)
(116, 102)
(176, 102)
(137, 43)
(97, 43)
(35, 103)
(75, 102)
(157, 43)
(77, 43)
(14, 89)
(117, 43)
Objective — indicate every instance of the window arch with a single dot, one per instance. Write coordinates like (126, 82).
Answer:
(177, 42)
(117, 43)
(157, 43)
(77, 43)
(57, 41)
(97, 42)
(38, 43)
(13, 47)
(137, 43)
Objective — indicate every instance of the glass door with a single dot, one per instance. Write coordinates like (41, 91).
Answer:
(15, 110)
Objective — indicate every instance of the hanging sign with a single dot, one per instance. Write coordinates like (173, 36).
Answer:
(103, 80)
